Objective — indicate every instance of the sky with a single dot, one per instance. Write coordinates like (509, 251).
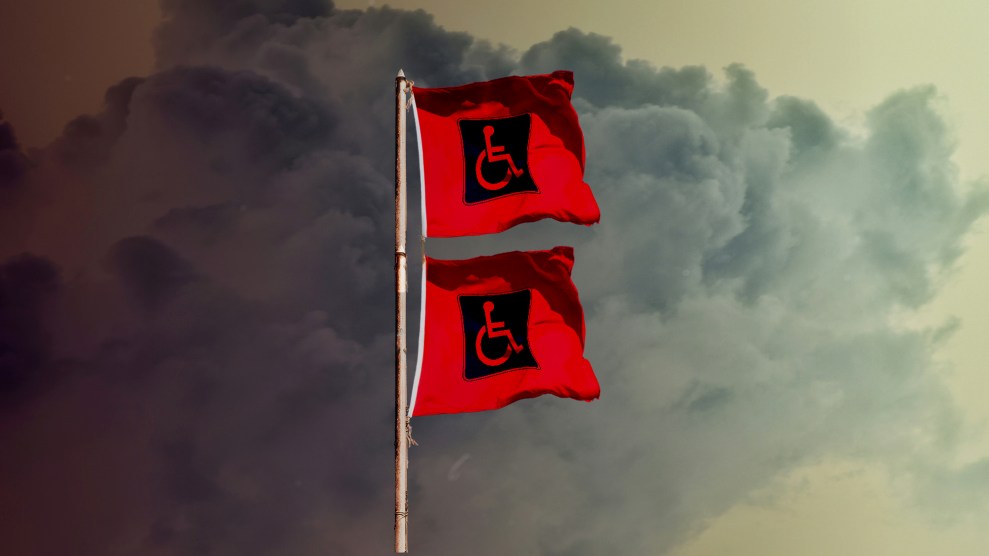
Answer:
(784, 296)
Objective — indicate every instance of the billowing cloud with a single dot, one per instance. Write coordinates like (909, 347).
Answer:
(206, 298)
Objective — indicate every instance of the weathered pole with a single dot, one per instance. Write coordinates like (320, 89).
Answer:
(401, 290)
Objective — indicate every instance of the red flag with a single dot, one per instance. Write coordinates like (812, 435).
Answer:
(499, 329)
(499, 153)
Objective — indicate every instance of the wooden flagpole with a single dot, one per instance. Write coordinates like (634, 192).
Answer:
(401, 290)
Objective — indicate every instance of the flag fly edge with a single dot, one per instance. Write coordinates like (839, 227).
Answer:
(422, 336)
(422, 168)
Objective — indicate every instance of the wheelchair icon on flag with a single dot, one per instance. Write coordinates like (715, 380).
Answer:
(492, 154)
(492, 330)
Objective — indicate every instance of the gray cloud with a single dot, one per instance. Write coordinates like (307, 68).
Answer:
(219, 347)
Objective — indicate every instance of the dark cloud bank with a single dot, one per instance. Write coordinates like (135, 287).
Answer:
(195, 302)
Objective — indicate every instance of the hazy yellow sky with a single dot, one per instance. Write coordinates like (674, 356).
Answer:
(845, 55)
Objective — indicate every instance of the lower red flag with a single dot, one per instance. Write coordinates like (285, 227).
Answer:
(499, 329)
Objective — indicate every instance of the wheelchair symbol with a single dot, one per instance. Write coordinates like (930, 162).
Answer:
(493, 153)
(493, 330)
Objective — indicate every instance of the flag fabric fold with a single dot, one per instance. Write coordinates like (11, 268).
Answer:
(498, 329)
(500, 153)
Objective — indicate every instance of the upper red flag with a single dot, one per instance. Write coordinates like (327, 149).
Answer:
(499, 329)
(499, 153)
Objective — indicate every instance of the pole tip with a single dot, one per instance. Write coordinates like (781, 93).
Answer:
(401, 73)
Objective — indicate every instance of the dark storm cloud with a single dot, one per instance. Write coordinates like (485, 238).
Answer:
(86, 141)
(13, 163)
(191, 25)
(151, 270)
(223, 323)
(26, 284)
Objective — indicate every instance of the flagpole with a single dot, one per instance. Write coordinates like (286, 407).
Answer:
(401, 290)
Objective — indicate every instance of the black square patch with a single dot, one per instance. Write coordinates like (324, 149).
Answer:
(496, 333)
(496, 158)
